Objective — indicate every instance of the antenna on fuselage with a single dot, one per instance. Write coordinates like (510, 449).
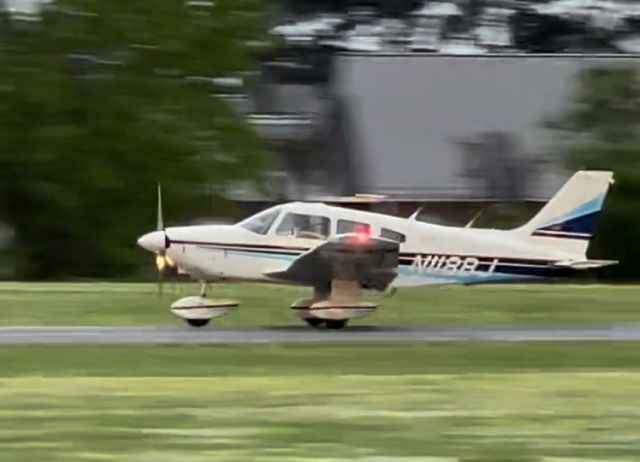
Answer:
(475, 217)
(414, 215)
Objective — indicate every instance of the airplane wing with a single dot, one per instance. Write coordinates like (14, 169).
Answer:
(369, 260)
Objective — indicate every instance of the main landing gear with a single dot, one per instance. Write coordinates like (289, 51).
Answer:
(333, 308)
(320, 323)
(198, 310)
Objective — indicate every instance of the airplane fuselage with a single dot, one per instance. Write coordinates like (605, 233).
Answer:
(429, 254)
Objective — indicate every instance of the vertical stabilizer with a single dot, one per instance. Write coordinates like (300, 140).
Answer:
(569, 220)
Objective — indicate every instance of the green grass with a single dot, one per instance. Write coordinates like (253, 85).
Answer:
(117, 304)
(488, 402)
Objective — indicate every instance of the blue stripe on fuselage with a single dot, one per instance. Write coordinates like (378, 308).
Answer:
(409, 276)
(270, 255)
(407, 273)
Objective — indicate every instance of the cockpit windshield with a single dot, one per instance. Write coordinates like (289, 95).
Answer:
(261, 222)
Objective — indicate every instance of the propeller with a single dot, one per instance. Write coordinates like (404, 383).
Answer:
(162, 260)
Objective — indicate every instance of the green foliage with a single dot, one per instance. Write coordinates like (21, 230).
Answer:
(97, 104)
(601, 130)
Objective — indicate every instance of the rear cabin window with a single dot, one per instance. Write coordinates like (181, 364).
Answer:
(304, 226)
(348, 226)
(392, 235)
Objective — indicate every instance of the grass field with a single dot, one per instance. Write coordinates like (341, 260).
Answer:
(488, 402)
(116, 304)
(368, 403)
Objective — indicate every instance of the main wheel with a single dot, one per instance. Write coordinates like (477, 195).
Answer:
(197, 322)
(336, 323)
(315, 322)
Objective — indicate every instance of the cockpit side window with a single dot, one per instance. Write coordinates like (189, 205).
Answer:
(304, 226)
(261, 222)
(348, 226)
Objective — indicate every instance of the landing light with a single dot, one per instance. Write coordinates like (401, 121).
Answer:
(160, 262)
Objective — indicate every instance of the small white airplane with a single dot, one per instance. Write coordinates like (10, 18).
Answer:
(338, 252)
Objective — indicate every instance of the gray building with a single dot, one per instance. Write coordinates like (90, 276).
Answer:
(456, 127)
(418, 128)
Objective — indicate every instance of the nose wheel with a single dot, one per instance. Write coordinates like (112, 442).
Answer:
(197, 322)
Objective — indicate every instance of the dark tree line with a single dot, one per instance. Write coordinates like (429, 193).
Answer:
(99, 101)
(601, 130)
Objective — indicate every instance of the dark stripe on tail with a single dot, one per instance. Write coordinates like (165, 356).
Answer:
(581, 227)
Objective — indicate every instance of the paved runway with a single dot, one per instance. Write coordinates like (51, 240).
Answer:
(213, 335)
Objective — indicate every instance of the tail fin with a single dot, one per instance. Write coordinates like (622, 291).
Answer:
(568, 221)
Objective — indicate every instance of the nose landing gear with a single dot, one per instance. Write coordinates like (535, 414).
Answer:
(198, 310)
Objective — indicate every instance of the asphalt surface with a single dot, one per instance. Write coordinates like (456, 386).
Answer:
(211, 335)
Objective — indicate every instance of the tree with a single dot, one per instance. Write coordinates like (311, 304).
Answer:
(99, 101)
(601, 130)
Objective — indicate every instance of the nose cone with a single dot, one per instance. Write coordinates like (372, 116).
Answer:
(153, 241)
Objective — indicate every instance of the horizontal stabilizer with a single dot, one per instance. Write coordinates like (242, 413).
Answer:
(585, 264)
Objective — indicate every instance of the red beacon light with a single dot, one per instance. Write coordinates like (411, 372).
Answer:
(362, 235)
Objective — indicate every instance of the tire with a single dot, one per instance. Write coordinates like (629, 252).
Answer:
(336, 324)
(315, 322)
(197, 322)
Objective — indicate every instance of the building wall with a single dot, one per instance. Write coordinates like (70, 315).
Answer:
(458, 127)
